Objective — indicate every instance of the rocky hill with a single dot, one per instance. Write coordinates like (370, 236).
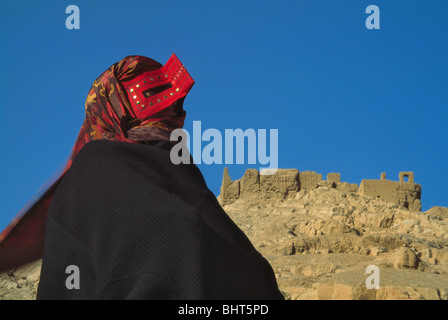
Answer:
(321, 235)
(320, 238)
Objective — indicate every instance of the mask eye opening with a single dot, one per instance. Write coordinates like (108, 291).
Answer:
(153, 91)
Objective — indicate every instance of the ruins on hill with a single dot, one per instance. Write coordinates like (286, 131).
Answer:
(286, 182)
(405, 193)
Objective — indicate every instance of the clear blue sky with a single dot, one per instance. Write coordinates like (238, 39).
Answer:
(344, 99)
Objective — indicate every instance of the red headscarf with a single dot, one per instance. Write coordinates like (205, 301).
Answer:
(136, 100)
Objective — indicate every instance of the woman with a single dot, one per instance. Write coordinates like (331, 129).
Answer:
(131, 223)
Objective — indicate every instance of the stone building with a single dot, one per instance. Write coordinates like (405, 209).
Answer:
(287, 182)
(404, 193)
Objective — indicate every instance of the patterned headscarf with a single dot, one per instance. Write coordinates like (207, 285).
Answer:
(109, 114)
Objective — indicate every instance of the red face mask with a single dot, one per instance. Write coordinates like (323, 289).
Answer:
(153, 91)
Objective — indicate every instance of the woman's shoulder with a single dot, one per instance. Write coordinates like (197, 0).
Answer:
(106, 148)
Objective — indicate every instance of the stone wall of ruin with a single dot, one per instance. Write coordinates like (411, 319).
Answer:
(287, 182)
(406, 194)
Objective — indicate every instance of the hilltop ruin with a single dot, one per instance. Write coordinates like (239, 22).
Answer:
(286, 183)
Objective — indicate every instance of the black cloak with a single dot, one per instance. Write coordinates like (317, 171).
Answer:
(139, 227)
